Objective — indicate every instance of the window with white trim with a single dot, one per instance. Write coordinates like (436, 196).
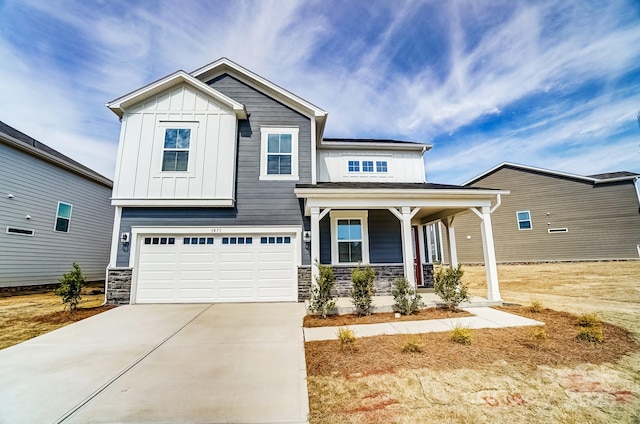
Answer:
(381, 166)
(349, 237)
(279, 153)
(63, 217)
(367, 166)
(524, 220)
(175, 153)
(354, 166)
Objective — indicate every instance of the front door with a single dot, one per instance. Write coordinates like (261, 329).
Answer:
(417, 264)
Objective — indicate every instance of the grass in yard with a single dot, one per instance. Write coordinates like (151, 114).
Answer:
(506, 376)
(25, 316)
(351, 319)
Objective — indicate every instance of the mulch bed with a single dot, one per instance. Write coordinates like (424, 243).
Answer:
(382, 354)
(351, 319)
(63, 317)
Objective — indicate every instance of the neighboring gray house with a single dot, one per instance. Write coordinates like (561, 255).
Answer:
(556, 216)
(226, 191)
(53, 212)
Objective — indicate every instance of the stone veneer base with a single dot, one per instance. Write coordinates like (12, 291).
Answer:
(119, 286)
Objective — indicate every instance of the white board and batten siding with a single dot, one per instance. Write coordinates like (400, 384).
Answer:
(36, 186)
(402, 167)
(211, 154)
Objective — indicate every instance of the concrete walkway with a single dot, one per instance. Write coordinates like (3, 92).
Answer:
(222, 363)
(484, 317)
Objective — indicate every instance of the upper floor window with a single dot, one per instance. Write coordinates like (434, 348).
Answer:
(367, 166)
(175, 155)
(279, 157)
(63, 217)
(381, 166)
(524, 220)
(354, 166)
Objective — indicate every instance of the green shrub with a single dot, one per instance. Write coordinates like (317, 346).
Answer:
(363, 290)
(407, 300)
(70, 289)
(347, 338)
(591, 334)
(589, 320)
(461, 335)
(448, 285)
(536, 307)
(412, 344)
(320, 299)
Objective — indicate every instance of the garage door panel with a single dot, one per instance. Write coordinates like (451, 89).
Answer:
(211, 271)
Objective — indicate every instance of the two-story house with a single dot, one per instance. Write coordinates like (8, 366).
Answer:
(226, 191)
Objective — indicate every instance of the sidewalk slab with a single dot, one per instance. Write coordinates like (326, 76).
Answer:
(484, 317)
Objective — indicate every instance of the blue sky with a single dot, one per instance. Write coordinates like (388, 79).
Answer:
(552, 84)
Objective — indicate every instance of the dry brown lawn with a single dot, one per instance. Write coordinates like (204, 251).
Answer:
(505, 376)
(25, 316)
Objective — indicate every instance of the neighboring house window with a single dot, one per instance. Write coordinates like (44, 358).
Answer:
(367, 166)
(381, 166)
(279, 159)
(354, 166)
(175, 156)
(524, 220)
(63, 217)
(349, 237)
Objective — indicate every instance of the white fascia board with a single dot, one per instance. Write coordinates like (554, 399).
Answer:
(223, 229)
(368, 146)
(224, 65)
(618, 179)
(535, 169)
(55, 160)
(384, 193)
(118, 106)
(173, 202)
(359, 204)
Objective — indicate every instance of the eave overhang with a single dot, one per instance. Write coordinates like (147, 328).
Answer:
(408, 146)
(120, 105)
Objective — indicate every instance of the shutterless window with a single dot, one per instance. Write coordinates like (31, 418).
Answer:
(367, 166)
(354, 166)
(524, 220)
(175, 156)
(63, 217)
(349, 240)
(279, 153)
(381, 166)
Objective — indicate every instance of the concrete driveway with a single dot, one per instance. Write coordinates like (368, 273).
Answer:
(222, 363)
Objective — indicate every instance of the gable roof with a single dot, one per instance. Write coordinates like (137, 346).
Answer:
(119, 105)
(367, 143)
(592, 179)
(21, 141)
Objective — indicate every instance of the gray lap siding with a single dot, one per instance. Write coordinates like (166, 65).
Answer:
(258, 202)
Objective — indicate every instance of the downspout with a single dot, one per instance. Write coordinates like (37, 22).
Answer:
(498, 203)
(636, 183)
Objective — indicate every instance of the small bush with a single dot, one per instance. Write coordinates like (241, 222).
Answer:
(591, 334)
(412, 344)
(539, 336)
(363, 290)
(448, 285)
(536, 307)
(347, 338)
(589, 320)
(70, 289)
(320, 299)
(407, 301)
(461, 335)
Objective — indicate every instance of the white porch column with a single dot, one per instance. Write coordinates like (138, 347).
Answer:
(407, 246)
(315, 244)
(451, 241)
(493, 288)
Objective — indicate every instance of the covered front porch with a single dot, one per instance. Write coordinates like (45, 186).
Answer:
(383, 225)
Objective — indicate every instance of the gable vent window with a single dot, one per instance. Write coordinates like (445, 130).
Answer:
(175, 156)
(63, 217)
(524, 220)
(20, 231)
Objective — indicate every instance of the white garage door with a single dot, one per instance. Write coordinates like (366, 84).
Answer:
(216, 268)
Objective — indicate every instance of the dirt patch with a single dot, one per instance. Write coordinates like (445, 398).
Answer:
(377, 318)
(373, 355)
